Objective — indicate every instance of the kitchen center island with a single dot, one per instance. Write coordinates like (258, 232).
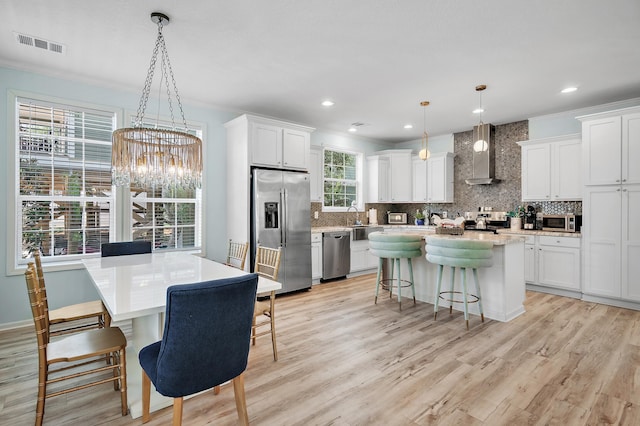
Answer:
(502, 285)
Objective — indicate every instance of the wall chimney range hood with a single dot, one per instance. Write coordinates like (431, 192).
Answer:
(483, 156)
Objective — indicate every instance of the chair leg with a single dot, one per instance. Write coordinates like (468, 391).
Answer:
(475, 277)
(177, 411)
(106, 318)
(42, 393)
(146, 396)
(241, 402)
(272, 318)
(112, 359)
(123, 382)
(453, 282)
(413, 288)
(437, 298)
(392, 274)
(464, 295)
(380, 261)
(399, 285)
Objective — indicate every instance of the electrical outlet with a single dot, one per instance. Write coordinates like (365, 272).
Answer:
(315, 215)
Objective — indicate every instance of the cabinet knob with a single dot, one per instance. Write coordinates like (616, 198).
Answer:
(624, 190)
(624, 180)
(618, 190)
(617, 180)
(557, 195)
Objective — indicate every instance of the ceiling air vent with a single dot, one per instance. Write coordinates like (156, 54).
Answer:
(40, 43)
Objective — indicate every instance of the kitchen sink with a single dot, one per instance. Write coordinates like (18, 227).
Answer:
(361, 232)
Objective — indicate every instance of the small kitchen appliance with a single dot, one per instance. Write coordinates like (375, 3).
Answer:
(396, 218)
(530, 218)
(562, 222)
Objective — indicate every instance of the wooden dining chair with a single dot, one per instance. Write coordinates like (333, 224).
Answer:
(71, 318)
(237, 254)
(75, 352)
(206, 339)
(267, 264)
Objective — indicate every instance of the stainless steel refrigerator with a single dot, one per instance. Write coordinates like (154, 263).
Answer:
(281, 218)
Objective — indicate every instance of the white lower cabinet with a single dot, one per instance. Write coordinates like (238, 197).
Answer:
(361, 257)
(316, 256)
(552, 262)
(559, 262)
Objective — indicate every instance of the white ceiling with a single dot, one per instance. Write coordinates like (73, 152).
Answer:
(376, 59)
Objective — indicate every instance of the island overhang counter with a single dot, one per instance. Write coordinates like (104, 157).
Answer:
(502, 285)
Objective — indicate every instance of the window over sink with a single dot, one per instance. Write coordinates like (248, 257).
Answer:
(342, 180)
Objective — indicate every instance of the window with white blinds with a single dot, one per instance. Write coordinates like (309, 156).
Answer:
(64, 200)
(170, 218)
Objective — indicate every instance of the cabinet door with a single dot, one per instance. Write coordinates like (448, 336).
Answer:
(400, 178)
(566, 176)
(602, 150)
(530, 263)
(378, 182)
(536, 172)
(631, 148)
(358, 255)
(419, 172)
(316, 176)
(440, 178)
(295, 149)
(630, 242)
(266, 145)
(601, 232)
(559, 267)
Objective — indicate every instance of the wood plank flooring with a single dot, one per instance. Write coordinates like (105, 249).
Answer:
(345, 361)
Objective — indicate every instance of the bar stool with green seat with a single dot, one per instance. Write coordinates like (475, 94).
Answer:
(395, 246)
(463, 254)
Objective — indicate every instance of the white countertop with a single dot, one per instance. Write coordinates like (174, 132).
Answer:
(526, 232)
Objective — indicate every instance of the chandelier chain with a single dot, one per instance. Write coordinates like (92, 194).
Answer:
(167, 71)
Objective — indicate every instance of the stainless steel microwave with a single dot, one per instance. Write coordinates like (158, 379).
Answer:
(561, 222)
(397, 218)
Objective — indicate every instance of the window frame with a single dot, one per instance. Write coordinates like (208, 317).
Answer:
(15, 264)
(120, 221)
(359, 156)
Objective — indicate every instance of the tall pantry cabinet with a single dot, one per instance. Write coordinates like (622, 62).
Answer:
(611, 177)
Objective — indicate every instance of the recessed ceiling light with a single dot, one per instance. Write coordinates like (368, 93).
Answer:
(478, 111)
(568, 89)
(328, 103)
(408, 126)
(353, 129)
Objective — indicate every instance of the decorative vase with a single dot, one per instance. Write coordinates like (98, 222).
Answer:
(516, 223)
(420, 222)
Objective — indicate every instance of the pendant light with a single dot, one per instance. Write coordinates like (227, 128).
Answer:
(480, 144)
(146, 156)
(424, 144)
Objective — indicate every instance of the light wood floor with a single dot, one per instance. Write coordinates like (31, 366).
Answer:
(345, 361)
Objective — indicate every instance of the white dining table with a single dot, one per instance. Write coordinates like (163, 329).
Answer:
(134, 287)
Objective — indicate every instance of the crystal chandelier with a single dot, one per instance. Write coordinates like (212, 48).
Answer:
(145, 156)
(424, 145)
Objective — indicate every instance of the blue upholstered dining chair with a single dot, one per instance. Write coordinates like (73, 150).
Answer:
(124, 248)
(207, 332)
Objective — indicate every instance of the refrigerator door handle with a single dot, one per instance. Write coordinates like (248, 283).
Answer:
(283, 220)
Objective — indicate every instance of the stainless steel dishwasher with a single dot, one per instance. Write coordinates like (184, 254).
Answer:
(336, 254)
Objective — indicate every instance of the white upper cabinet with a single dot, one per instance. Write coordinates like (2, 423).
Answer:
(419, 172)
(551, 169)
(274, 143)
(611, 147)
(390, 177)
(400, 176)
(378, 183)
(440, 177)
(316, 173)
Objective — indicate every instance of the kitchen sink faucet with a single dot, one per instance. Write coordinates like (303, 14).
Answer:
(357, 222)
